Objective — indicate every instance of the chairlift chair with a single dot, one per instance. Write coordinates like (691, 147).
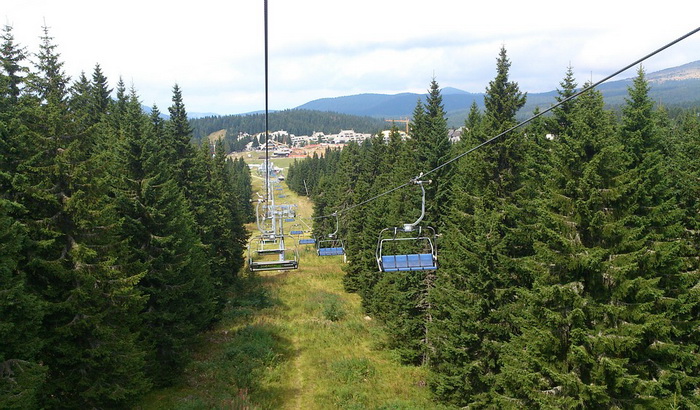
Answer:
(413, 250)
(266, 255)
(408, 248)
(332, 246)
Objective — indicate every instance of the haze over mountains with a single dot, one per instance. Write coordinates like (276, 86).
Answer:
(676, 86)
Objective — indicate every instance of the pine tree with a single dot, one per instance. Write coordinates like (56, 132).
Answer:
(21, 312)
(648, 290)
(484, 255)
(562, 113)
(398, 299)
(503, 98)
(79, 103)
(433, 150)
(241, 185)
(14, 142)
(158, 230)
(178, 136)
(472, 125)
(91, 305)
(11, 78)
(99, 95)
(22, 376)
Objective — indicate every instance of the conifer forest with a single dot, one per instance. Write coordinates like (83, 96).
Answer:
(119, 237)
(568, 250)
(568, 265)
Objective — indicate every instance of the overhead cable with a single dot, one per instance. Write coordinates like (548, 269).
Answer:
(520, 124)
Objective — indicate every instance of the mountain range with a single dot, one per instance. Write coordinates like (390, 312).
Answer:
(677, 86)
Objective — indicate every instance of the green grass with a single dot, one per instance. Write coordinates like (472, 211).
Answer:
(296, 340)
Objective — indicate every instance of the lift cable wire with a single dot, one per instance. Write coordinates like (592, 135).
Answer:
(490, 140)
(267, 129)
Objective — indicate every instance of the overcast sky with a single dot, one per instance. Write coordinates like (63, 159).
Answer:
(214, 50)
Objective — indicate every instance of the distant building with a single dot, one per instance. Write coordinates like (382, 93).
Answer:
(455, 135)
(387, 133)
(345, 136)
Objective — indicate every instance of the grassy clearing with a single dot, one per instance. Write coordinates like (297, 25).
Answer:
(296, 340)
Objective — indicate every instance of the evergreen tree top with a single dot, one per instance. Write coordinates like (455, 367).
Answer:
(11, 58)
(503, 97)
(51, 83)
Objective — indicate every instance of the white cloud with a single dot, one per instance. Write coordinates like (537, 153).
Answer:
(214, 50)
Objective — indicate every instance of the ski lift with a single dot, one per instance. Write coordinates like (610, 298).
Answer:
(408, 248)
(333, 246)
(303, 241)
(271, 252)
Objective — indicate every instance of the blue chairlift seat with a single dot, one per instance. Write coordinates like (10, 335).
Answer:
(307, 241)
(401, 251)
(296, 232)
(330, 247)
(335, 251)
(289, 220)
(411, 262)
(262, 257)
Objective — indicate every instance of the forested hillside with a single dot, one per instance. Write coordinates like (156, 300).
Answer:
(298, 122)
(567, 268)
(119, 238)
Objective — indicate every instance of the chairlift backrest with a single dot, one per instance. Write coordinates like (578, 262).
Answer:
(272, 252)
(332, 246)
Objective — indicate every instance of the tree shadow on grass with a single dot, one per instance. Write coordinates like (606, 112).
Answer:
(252, 353)
(251, 297)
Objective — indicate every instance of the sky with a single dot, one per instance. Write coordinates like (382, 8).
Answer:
(214, 50)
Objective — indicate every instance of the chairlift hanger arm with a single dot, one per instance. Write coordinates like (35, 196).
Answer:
(332, 235)
(417, 181)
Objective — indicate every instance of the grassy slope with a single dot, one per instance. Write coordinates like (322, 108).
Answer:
(296, 340)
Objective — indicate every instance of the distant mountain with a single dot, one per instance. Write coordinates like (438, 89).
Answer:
(385, 105)
(678, 86)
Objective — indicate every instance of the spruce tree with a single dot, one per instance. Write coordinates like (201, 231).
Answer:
(241, 185)
(91, 305)
(361, 223)
(433, 149)
(99, 95)
(13, 71)
(648, 291)
(178, 135)
(79, 104)
(15, 144)
(117, 108)
(487, 242)
(562, 113)
(397, 298)
(548, 363)
(472, 125)
(22, 375)
(158, 230)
